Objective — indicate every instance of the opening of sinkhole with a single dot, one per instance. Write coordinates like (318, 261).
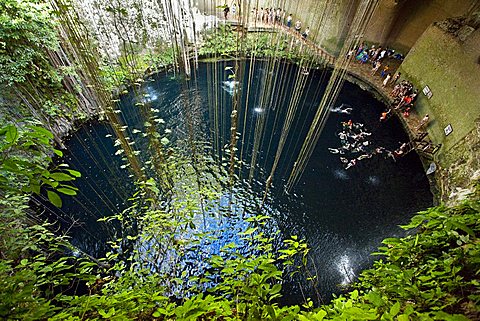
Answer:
(229, 147)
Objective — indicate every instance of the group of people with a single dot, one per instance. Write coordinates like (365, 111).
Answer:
(270, 15)
(355, 145)
(377, 56)
(404, 95)
(279, 16)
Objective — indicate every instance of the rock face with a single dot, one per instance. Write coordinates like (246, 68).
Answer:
(400, 23)
(395, 23)
(142, 24)
(445, 59)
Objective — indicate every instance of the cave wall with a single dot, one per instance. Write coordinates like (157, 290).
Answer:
(329, 21)
(450, 66)
(396, 23)
(400, 23)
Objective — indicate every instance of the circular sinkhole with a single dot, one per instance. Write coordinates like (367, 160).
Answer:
(342, 212)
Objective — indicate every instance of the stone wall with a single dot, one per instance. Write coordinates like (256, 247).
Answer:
(449, 66)
(328, 21)
(400, 23)
(396, 23)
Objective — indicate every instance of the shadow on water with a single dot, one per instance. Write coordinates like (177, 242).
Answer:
(342, 214)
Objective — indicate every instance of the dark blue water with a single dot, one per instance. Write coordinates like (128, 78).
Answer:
(342, 214)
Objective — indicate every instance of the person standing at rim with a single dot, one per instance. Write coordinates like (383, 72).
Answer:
(375, 68)
(386, 80)
(226, 10)
(289, 21)
(396, 77)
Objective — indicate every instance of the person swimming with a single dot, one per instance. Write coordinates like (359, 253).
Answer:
(352, 163)
(364, 156)
(342, 109)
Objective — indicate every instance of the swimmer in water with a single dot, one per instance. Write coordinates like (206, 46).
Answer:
(342, 110)
(379, 150)
(362, 133)
(358, 126)
(364, 156)
(352, 163)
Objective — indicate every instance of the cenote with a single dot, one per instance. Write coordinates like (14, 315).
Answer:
(342, 214)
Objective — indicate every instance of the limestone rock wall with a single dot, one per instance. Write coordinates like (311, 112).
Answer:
(400, 23)
(329, 21)
(138, 23)
(395, 23)
(449, 66)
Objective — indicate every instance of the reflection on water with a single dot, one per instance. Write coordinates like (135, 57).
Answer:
(373, 180)
(344, 266)
(343, 215)
(231, 87)
(341, 174)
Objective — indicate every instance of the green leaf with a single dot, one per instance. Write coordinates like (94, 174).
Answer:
(249, 231)
(276, 288)
(375, 298)
(35, 188)
(403, 317)
(320, 315)
(61, 177)
(164, 141)
(58, 152)
(74, 173)
(41, 131)
(395, 309)
(54, 199)
(67, 191)
(11, 134)
(354, 295)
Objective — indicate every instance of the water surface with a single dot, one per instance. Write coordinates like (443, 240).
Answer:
(342, 214)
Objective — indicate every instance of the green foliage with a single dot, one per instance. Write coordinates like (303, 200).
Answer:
(29, 71)
(431, 274)
(134, 65)
(434, 270)
(26, 30)
(224, 42)
(34, 269)
(24, 154)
